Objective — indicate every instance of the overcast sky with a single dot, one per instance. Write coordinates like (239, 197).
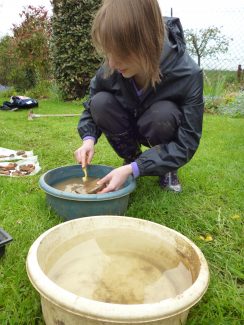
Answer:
(193, 14)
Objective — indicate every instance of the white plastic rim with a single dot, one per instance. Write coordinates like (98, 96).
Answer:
(115, 312)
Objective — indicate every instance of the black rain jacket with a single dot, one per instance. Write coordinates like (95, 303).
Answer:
(181, 82)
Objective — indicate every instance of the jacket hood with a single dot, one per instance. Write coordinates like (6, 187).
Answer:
(174, 42)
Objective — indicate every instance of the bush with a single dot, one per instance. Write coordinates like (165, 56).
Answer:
(222, 92)
(74, 58)
(213, 92)
(24, 57)
(41, 90)
(234, 108)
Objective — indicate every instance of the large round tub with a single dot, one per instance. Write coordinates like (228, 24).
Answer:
(167, 260)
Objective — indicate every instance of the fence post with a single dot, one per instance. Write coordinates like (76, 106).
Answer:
(239, 73)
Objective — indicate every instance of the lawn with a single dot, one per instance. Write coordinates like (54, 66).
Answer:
(212, 203)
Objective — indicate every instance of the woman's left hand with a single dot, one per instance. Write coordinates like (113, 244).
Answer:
(115, 179)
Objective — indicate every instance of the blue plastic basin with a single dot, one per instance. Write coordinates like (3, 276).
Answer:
(71, 205)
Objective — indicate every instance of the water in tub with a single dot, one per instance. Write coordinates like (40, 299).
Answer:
(119, 266)
(78, 185)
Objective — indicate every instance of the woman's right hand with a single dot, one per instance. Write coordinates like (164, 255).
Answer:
(85, 153)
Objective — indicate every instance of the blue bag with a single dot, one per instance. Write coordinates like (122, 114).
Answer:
(19, 102)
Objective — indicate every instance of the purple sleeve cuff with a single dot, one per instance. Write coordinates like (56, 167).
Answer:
(89, 137)
(135, 169)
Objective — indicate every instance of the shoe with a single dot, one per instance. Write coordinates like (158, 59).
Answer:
(170, 182)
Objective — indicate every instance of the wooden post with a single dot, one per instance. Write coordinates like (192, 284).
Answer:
(239, 73)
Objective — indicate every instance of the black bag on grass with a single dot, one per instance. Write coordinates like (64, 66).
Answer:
(19, 102)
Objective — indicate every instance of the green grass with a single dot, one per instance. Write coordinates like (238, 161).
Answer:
(212, 202)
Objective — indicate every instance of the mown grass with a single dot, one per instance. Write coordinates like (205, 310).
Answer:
(212, 203)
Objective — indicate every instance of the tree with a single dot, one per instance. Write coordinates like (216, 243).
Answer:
(31, 42)
(6, 60)
(74, 57)
(206, 42)
(24, 57)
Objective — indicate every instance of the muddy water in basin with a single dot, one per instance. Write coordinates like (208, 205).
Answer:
(78, 185)
(119, 266)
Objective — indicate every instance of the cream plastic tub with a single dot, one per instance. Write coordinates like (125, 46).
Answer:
(63, 307)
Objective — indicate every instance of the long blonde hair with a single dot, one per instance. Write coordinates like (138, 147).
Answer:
(131, 28)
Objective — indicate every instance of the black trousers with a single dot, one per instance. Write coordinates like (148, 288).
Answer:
(157, 125)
